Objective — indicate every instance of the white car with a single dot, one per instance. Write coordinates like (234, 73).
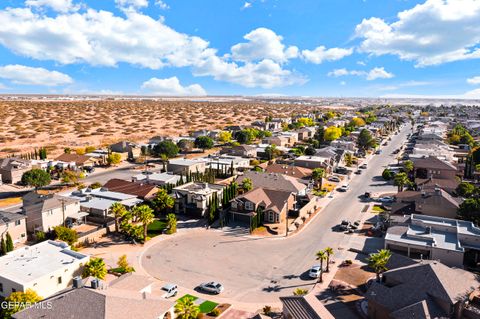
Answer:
(169, 290)
(212, 287)
(334, 179)
(386, 199)
(344, 188)
(314, 272)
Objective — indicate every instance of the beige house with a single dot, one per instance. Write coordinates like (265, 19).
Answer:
(436, 202)
(15, 225)
(12, 169)
(46, 268)
(192, 198)
(184, 166)
(47, 211)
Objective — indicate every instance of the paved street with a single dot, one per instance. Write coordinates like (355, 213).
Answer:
(260, 270)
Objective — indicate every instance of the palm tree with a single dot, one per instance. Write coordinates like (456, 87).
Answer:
(329, 252)
(118, 211)
(145, 215)
(162, 201)
(164, 159)
(96, 268)
(186, 308)
(378, 261)
(400, 180)
(321, 256)
(300, 292)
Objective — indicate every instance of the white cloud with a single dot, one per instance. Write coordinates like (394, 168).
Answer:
(133, 4)
(435, 32)
(379, 73)
(262, 44)
(57, 5)
(469, 95)
(373, 74)
(266, 73)
(162, 4)
(20, 74)
(172, 87)
(343, 83)
(247, 5)
(321, 54)
(475, 80)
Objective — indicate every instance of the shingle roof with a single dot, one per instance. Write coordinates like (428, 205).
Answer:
(273, 181)
(274, 200)
(78, 159)
(432, 162)
(290, 170)
(7, 217)
(305, 307)
(132, 188)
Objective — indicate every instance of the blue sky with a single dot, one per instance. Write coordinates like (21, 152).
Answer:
(341, 48)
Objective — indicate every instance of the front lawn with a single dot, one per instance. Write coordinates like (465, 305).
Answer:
(377, 209)
(156, 228)
(207, 306)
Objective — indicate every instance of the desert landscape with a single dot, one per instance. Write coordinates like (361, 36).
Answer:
(54, 124)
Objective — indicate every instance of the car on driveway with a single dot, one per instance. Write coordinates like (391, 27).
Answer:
(358, 172)
(363, 166)
(378, 152)
(386, 199)
(344, 188)
(314, 272)
(211, 287)
(169, 290)
(334, 179)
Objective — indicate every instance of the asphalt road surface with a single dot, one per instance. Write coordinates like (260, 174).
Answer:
(262, 269)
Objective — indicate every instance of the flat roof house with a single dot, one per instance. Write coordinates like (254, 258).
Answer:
(46, 268)
(159, 179)
(451, 241)
(15, 225)
(184, 166)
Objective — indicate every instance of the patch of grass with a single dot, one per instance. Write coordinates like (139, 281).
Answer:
(156, 228)
(378, 209)
(207, 306)
(188, 296)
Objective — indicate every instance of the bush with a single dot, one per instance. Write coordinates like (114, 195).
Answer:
(267, 310)
(214, 313)
(387, 174)
(40, 236)
(65, 234)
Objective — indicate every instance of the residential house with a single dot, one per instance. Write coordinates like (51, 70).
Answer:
(313, 162)
(278, 140)
(240, 150)
(290, 170)
(158, 139)
(184, 166)
(159, 179)
(192, 198)
(126, 149)
(129, 296)
(46, 268)
(304, 307)
(14, 224)
(344, 144)
(12, 169)
(139, 189)
(305, 133)
(225, 163)
(428, 289)
(431, 171)
(80, 161)
(44, 212)
(274, 205)
(450, 241)
(275, 181)
(436, 202)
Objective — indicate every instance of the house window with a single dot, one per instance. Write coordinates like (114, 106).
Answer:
(59, 279)
(248, 206)
(17, 223)
(234, 205)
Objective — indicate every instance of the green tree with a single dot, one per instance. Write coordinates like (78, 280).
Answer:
(65, 234)
(204, 142)
(470, 210)
(185, 308)
(3, 247)
(332, 133)
(71, 177)
(348, 159)
(387, 174)
(36, 178)
(18, 301)
(365, 140)
(247, 184)
(408, 166)
(317, 175)
(144, 214)
(357, 121)
(166, 147)
(378, 261)
(162, 201)
(401, 180)
(95, 185)
(114, 159)
(272, 152)
(96, 268)
(171, 223)
(465, 189)
(9, 242)
(320, 135)
(329, 252)
(118, 211)
(321, 256)
(164, 159)
(124, 265)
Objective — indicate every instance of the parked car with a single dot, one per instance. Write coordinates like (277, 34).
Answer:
(334, 179)
(344, 188)
(363, 166)
(169, 290)
(358, 172)
(314, 272)
(211, 287)
(341, 170)
(386, 199)
(378, 152)
(367, 195)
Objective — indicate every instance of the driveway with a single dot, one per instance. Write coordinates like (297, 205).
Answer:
(259, 270)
